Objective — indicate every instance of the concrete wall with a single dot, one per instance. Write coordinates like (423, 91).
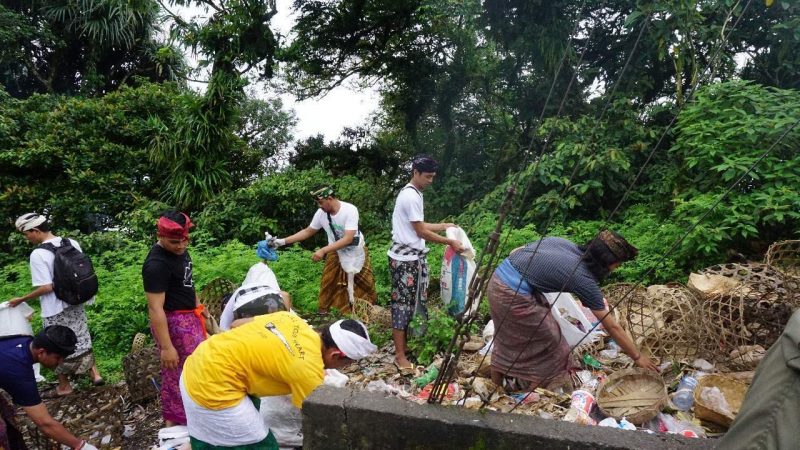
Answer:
(336, 419)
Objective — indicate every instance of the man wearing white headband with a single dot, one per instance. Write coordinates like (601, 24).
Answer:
(268, 355)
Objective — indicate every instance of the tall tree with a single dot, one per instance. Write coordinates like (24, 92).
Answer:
(81, 46)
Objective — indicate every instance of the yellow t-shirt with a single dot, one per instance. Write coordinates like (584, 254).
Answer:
(275, 354)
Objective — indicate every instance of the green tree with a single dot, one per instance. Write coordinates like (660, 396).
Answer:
(718, 138)
(198, 145)
(81, 46)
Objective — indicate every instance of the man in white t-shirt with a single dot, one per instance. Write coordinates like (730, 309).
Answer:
(347, 273)
(408, 265)
(36, 229)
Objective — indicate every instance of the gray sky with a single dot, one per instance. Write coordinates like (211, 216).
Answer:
(345, 106)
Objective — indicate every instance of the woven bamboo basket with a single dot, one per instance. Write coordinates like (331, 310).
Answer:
(142, 370)
(372, 314)
(784, 256)
(734, 392)
(636, 394)
(212, 294)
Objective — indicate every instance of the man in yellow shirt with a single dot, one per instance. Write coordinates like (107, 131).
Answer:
(273, 354)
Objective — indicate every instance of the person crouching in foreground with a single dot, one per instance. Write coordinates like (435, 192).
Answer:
(273, 354)
(17, 355)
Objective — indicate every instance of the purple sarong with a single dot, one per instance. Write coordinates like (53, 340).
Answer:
(186, 331)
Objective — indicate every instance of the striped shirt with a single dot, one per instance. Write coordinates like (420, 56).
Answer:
(549, 270)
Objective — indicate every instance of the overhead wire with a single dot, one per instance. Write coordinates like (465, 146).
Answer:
(478, 281)
(677, 242)
(628, 190)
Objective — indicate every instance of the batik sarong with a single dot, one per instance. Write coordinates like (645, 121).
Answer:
(409, 292)
(186, 331)
(333, 288)
(10, 436)
(82, 359)
(523, 349)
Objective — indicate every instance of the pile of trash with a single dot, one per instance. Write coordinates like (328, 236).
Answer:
(699, 400)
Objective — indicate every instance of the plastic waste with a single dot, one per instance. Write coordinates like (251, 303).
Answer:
(14, 320)
(571, 332)
(589, 361)
(682, 398)
(430, 375)
(702, 364)
(335, 378)
(611, 351)
(670, 424)
(582, 400)
(172, 437)
(715, 399)
(623, 424)
(456, 274)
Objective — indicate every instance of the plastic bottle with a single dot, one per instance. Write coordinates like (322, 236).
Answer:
(683, 399)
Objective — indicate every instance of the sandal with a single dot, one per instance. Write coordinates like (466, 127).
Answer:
(405, 370)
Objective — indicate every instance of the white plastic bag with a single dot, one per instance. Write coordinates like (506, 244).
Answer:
(14, 320)
(335, 378)
(351, 258)
(172, 437)
(283, 419)
(457, 273)
(571, 333)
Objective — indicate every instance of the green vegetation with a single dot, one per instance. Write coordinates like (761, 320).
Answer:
(99, 129)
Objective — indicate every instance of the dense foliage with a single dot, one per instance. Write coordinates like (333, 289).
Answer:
(636, 116)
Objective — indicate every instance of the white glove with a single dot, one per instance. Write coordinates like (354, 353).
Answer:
(275, 243)
(88, 446)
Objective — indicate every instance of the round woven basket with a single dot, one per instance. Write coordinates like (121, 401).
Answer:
(734, 392)
(636, 394)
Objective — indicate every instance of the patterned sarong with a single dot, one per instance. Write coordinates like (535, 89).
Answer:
(409, 292)
(186, 331)
(520, 350)
(74, 317)
(333, 288)
(10, 437)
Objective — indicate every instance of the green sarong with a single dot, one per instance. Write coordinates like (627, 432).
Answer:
(269, 443)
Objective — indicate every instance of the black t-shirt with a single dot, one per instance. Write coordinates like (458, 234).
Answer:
(16, 371)
(171, 274)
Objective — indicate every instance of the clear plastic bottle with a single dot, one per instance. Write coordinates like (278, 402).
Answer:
(683, 399)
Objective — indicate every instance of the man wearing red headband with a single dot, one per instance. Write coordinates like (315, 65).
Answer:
(176, 315)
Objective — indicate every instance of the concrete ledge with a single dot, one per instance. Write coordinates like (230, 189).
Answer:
(348, 419)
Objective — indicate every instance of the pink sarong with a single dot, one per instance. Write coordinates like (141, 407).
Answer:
(186, 331)
(520, 350)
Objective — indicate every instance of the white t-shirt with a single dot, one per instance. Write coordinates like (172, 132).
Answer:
(260, 273)
(345, 219)
(41, 261)
(408, 208)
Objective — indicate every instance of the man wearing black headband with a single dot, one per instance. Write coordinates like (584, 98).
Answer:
(17, 356)
(346, 244)
(408, 264)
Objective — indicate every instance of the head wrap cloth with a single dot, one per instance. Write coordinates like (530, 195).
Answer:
(621, 248)
(173, 230)
(322, 192)
(352, 345)
(27, 222)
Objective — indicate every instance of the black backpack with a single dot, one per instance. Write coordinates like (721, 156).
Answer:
(74, 280)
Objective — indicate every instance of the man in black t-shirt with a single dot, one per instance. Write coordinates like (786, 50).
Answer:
(176, 316)
(17, 356)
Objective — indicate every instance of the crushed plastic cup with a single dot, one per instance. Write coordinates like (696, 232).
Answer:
(582, 400)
